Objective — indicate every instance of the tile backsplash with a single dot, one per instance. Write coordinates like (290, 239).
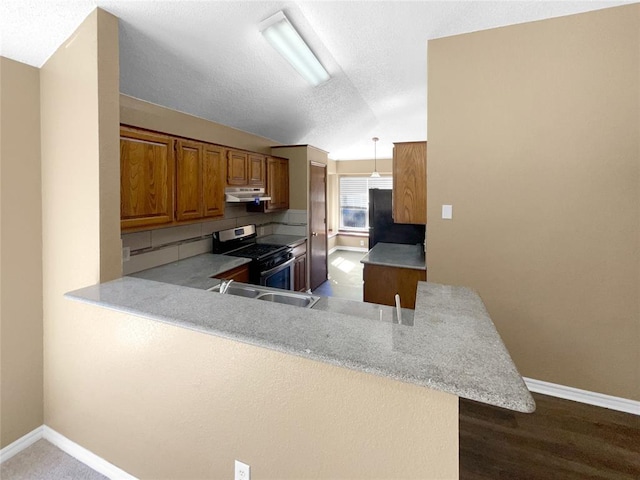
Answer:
(156, 247)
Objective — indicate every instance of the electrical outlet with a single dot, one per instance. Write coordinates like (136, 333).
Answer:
(126, 254)
(260, 231)
(242, 471)
(362, 243)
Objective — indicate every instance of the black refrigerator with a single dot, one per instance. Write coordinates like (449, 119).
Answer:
(381, 225)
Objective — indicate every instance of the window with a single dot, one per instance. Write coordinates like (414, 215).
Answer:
(354, 200)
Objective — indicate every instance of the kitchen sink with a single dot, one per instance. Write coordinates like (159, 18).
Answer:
(239, 290)
(268, 294)
(298, 299)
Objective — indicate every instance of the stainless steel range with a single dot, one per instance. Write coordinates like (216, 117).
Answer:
(271, 265)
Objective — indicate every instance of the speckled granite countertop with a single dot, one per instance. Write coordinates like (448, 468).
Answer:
(195, 272)
(396, 255)
(452, 345)
(370, 311)
(277, 239)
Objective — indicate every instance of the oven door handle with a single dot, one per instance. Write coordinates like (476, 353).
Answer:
(288, 263)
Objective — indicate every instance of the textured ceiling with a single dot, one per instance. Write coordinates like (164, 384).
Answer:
(208, 58)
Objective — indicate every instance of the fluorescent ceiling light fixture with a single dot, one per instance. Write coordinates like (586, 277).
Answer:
(286, 40)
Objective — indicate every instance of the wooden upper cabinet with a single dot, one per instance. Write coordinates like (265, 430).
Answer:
(245, 169)
(237, 168)
(277, 172)
(256, 170)
(146, 178)
(410, 182)
(214, 174)
(188, 180)
(278, 183)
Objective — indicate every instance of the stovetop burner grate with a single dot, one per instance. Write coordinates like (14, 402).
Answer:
(256, 250)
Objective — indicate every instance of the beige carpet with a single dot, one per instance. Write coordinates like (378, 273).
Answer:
(43, 461)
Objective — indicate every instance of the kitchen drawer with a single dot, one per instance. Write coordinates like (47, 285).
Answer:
(299, 249)
(239, 274)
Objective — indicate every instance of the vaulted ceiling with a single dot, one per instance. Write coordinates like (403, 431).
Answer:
(209, 59)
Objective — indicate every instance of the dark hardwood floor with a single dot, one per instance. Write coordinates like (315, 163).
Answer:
(561, 440)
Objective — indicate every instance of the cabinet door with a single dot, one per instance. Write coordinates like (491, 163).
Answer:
(213, 176)
(277, 183)
(146, 178)
(256, 170)
(300, 273)
(410, 183)
(237, 168)
(381, 283)
(283, 182)
(188, 180)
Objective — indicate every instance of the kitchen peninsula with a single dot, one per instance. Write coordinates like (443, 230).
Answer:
(339, 388)
(451, 345)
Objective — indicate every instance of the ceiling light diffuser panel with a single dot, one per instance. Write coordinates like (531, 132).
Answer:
(285, 39)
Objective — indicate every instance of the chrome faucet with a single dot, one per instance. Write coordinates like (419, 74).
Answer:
(224, 286)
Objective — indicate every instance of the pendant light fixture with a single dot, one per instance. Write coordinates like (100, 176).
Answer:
(375, 173)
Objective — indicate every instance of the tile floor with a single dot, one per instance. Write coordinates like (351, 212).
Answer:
(345, 276)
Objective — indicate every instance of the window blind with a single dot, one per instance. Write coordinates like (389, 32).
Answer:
(354, 199)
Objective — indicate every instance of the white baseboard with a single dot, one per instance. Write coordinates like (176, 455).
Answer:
(348, 249)
(583, 396)
(90, 459)
(20, 444)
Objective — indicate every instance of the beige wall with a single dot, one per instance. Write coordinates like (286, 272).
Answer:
(20, 252)
(165, 402)
(534, 139)
(332, 165)
(333, 203)
(298, 174)
(353, 241)
(332, 242)
(80, 184)
(364, 167)
(143, 114)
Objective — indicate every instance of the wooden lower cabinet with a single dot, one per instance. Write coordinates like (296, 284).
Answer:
(381, 283)
(238, 274)
(300, 267)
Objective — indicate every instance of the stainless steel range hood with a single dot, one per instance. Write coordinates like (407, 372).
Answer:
(245, 195)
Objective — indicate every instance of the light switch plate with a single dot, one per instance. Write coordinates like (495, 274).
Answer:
(447, 212)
